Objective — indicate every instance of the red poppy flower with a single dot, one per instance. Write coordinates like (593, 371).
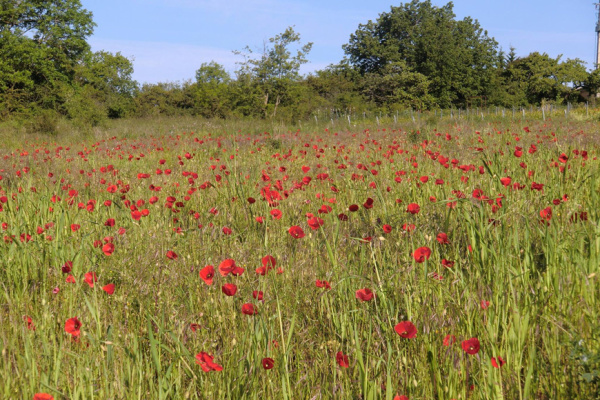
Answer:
(205, 361)
(343, 217)
(136, 215)
(563, 158)
(497, 362)
(72, 326)
(471, 346)
(109, 222)
(442, 238)
(67, 267)
(296, 232)
(227, 267)
(90, 278)
(194, 327)
(406, 329)
(408, 227)
(70, 279)
(413, 208)
(421, 254)
(249, 309)
(260, 220)
(447, 264)
(229, 289)
(171, 255)
(257, 294)
(75, 227)
(226, 230)
(29, 322)
(207, 273)
(546, 213)
(251, 200)
(268, 363)
(42, 396)
(353, 208)
(368, 204)
(364, 294)
(387, 228)
(449, 340)
(110, 288)
(108, 249)
(276, 214)
(325, 209)
(537, 186)
(315, 223)
(323, 284)
(269, 262)
(506, 181)
(342, 359)
(237, 271)
(484, 304)
(305, 169)
(518, 151)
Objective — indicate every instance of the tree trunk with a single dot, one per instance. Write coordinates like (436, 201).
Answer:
(276, 104)
(266, 102)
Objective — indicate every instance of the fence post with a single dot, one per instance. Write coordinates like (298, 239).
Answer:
(544, 113)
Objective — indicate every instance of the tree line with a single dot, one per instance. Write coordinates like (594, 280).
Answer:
(416, 55)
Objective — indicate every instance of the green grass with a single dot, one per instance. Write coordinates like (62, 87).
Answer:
(541, 280)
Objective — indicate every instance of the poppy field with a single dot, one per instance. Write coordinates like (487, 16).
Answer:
(451, 262)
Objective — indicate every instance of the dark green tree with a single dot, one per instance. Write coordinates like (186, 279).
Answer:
(457, 57)
(592, 83)
(41, 44)
(103, 84)
(537, 77)
(397, 84)
(339, 87)
(212, 91)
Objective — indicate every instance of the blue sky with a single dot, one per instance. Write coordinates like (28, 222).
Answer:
(169, 39)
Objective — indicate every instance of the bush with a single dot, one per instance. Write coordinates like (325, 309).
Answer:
(44, 121)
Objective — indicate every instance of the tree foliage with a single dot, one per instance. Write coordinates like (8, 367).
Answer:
(46, 63)
(416, 55)
(456, 57)
(276, 69)
(538, 77)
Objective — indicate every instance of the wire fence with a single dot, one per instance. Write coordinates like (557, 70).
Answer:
(578, 111)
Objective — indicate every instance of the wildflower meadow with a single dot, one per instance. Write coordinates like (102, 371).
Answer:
(455, 260)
